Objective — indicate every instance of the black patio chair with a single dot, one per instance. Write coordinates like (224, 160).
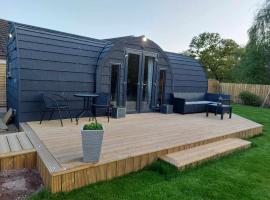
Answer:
(103, 102)
(55, 102)
(221, 107)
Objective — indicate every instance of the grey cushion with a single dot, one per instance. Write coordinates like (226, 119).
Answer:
(197, 102)
(190, 96)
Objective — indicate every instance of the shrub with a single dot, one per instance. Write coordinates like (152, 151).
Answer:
(250, 99)
(93, 126)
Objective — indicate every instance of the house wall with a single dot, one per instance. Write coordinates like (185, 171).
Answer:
(2, 83)
(188, 74)
(53, 62)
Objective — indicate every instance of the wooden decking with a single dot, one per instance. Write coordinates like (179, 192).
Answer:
(137, 134)
(129, 144)
(16, 151)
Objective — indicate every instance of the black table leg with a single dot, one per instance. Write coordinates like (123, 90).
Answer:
(82, 112)
(87, 109)
(221, 112)
(91, 110)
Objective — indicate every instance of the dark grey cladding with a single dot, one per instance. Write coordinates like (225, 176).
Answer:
(47, 61)
(188, 74)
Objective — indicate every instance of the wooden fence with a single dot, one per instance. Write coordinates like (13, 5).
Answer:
(213, 86)
(2, 84)
(234, 89)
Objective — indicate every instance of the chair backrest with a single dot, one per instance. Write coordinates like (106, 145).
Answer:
(49, 100)
(216, 96)
(103, 99)
(224, 101)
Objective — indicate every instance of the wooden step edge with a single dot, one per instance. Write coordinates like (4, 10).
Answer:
(46, 157)
(214, 157)
(211, 146)
(11, 154)
(216, 154)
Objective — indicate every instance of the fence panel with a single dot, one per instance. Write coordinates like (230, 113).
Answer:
(2, 84)
(234, 90)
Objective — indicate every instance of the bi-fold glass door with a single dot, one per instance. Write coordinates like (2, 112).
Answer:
(140, 81)
(147, 84)
(133, 82)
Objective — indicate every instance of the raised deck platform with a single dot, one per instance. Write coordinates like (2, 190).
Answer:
(129, 144)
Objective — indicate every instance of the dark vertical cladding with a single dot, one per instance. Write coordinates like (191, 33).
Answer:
(48, 61)
(13, 79)
(188, 74)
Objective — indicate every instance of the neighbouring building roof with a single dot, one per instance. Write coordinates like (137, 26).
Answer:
(3, 38)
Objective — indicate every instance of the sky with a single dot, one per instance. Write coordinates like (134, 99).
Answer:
(170, 23)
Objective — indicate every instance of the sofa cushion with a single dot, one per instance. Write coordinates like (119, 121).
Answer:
(190, 96)
(197, 102)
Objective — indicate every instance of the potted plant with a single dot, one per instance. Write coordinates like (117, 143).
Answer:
(92, 137)
(119, 112)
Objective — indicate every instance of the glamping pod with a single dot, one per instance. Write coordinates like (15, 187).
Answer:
(135, 71)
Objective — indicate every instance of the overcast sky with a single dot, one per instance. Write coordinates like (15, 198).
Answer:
(169, 23)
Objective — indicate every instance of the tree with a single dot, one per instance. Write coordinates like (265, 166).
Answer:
(259, 33)
(219, 56)
(255, 65)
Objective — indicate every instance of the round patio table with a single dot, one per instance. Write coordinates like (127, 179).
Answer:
(87, 105)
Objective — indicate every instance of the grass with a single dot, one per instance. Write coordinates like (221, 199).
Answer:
(243, 175)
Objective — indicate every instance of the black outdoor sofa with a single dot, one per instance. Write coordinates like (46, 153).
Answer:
(195, 102)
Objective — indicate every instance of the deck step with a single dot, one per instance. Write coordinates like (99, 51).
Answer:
(197, 155)
(14, 143)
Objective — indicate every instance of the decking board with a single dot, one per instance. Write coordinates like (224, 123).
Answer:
(24, 141)
(14, 144)
(4, 146)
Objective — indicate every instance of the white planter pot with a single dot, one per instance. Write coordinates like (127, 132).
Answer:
(91, 145)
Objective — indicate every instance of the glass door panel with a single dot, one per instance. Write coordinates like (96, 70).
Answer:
(115, 69)
(161, 86)
(147, 83)
(132, 82)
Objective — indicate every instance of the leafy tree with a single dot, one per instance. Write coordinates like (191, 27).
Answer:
(259, 33)
(255, 65)
(219, 56)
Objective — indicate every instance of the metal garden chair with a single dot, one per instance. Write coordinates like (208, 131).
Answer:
(103, 102)
(55, 102)
(221, 107)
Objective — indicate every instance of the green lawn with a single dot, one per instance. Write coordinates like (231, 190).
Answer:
(244, 175)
